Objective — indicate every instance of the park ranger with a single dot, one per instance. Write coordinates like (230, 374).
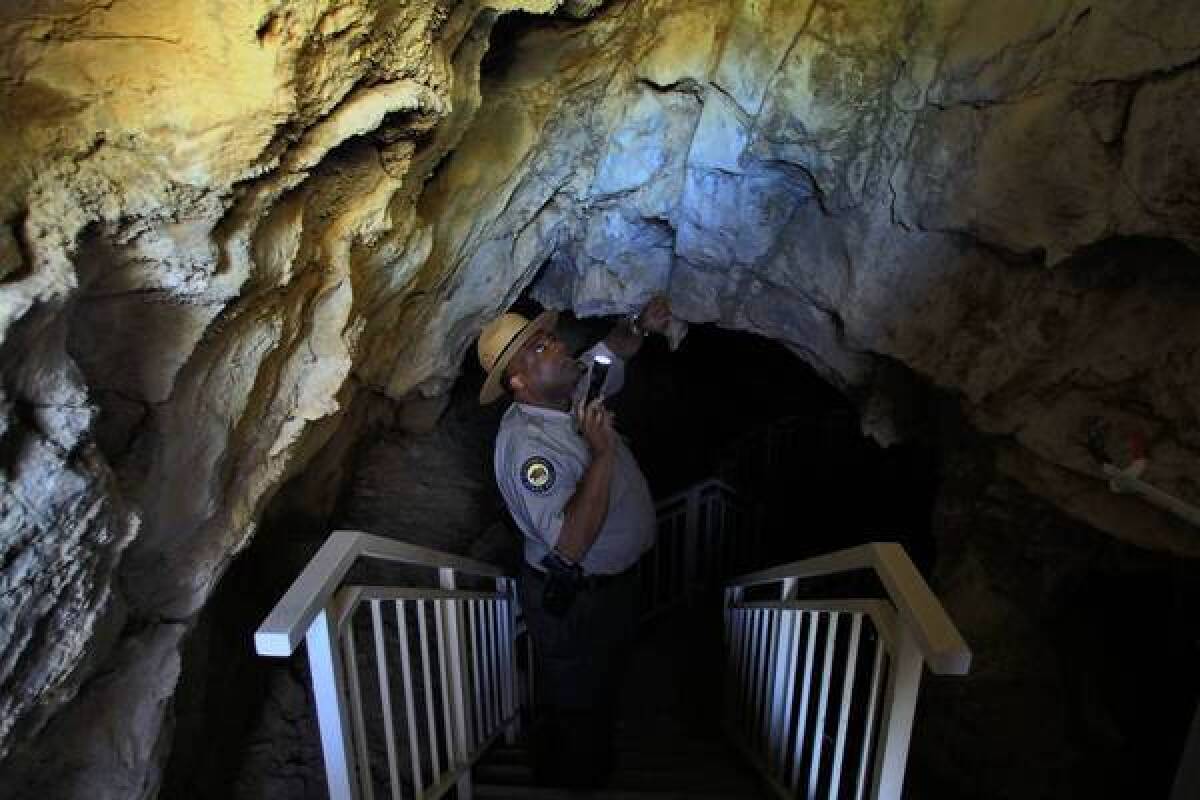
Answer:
(585, 511)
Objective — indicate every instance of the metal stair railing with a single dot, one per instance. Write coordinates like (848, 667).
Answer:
(706, 533)
(460, 688)
(822, 708)
(456, 650)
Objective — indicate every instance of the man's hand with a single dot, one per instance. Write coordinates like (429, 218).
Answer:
(656, 315)
(588, 507)
(625, 339)
(597, 425)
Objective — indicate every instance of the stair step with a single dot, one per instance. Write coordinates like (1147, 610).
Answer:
(637, 759)
(507, 774)
(508, 754)
(492, 792)
(673, 747)
(641, 777)
(721, 779)
(651, 754)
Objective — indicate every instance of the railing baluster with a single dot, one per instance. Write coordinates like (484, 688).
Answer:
(529, 659)
(508, 669)
(691, 534)
(869, 726)
(743, 660)
(791, 648)
(385, 696)
(732, 644)
(410, 706)
(904, 681)
(484, 674)
(458, 702)
(823, 704)
(325, 666)
(436, 762)
(755, 675)
(847, 698)
(350, 658)
(439, 610)
(760, 676)
(751, 676)
(805, 693)
(477, 674)
(494, 645)
(737, 707)
(772, 677)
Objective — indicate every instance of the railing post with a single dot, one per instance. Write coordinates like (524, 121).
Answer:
(785, 669)
(328, 679)
(509, 668)
(904, 681)
(458, 700)
(733, 596)
(690, 541)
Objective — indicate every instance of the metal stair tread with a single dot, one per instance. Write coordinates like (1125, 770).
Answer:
(645, 777)
(494, 792)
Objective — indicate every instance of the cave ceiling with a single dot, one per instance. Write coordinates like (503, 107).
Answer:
(220, 222)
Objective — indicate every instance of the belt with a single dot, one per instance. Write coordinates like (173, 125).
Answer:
(589, 582)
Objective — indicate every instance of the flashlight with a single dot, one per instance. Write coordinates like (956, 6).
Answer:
(597, 376)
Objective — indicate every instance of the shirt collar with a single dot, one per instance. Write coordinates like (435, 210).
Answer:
(541, 411)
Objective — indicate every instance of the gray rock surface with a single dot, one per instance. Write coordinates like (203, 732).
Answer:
(220, 222)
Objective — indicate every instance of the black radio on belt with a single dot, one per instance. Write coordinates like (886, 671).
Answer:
(563, 580)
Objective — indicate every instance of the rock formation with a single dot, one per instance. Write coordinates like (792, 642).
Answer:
(221, 222)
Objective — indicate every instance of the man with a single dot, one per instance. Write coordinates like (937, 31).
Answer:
(586, 514)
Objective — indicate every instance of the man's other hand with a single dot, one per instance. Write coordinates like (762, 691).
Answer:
(597, 424)
(656, 315)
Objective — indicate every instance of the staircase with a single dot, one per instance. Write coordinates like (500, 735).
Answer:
(668, 741)
(663, 763)
(423, 683)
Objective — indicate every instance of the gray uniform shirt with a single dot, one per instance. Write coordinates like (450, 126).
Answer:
(540, 458)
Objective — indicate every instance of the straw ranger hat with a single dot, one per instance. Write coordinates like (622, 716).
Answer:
(499, 341)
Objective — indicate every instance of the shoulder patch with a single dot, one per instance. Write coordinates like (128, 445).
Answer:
(537, 474)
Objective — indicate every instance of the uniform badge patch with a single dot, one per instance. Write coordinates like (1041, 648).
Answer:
(538, 475)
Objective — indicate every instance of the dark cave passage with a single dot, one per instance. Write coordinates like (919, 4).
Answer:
(744, 409)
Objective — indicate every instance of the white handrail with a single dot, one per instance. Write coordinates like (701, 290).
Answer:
(772, 664)
(1128, 481)
(288, 623)
(683, 494)
(940, 643)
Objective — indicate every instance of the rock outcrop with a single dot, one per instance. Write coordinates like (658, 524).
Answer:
(221, 221)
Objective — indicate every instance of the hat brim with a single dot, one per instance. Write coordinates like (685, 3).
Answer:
(493, 387)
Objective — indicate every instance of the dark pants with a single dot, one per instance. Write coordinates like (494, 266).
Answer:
(580, 659)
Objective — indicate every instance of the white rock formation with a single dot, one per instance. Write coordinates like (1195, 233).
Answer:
(218, 221)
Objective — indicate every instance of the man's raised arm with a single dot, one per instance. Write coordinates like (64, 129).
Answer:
(625, 339)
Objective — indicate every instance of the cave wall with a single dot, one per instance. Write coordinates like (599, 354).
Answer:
(204, 212)
(961, 189)
(220, 222)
